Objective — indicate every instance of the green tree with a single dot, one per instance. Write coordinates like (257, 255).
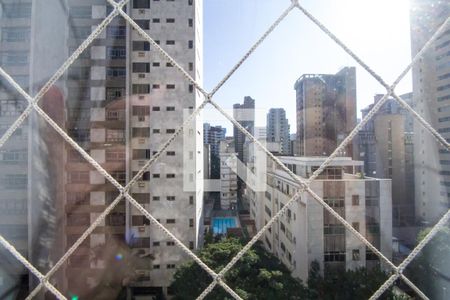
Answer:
(360, 283)
(257, 275)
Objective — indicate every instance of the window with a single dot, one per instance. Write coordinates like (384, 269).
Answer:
(139, 221)
(116, 72)
(171, 266)
(170, 198)
(144, 24)
(115, 135)
(191, 245)
(190, 22)
(191, 88)
(356, 226)
(170, 108)
(191, 66)
(170, 130)
(141, 67)
(170, 221)
(141, 3)
(156, 244)
(115, 154)
(156, 130)
(141, 153)
(155, 198)
(155, 64)
(156, 20)
(141, 46)
(146, 176)
(114, 93)
(116, 52)
(79, 73)
(16, 10)
(14, 58)
(11, 107)
(155, 86)
(190, 2)
(169, 65)
(15, 34)
(140, 110)
(78, 177)
(170, 175)
(170, 243)
(156, 175)
(170, 42)
(190, 44)
(170, 153)
(120, 176)
(141, 198)
(191, 222)
(139, 242)
(191, 200)
(170, 20)
(355, 200)
(116, 32)
(141, 89)
(355, 254)
(155, 108)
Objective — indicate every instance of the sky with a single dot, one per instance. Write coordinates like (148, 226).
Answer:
(377, 31)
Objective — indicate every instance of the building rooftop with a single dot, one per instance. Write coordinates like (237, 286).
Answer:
(318, 160)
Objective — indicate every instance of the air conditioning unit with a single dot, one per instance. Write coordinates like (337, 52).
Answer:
(141, 54)
(141, 118)
(141, 75)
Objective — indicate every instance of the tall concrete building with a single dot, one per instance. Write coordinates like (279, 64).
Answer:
(228, 177)
(120, 113)
(278, 129)
(326, 111)
(31, 161)
(213, 135)
(306, 232)
(385, 145)
(245, 114)
(431, 98)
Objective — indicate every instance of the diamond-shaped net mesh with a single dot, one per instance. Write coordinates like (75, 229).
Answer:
(218, 278)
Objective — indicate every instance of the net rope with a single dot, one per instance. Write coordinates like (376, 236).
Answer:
(218, 278)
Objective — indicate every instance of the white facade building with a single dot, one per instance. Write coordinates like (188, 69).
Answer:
(307, 233)
(228, 177)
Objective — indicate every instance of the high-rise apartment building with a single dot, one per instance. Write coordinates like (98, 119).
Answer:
(278, 129)
(212, 135)
(120, 101)
(14, 154)
(31, 160)
(326, 111)
(228, 176)
(385, 145)
(431, 97)
(306, 232)
(245, 114)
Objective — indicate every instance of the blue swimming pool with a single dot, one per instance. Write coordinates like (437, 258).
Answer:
(220, 225)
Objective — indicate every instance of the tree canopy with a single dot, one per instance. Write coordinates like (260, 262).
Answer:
(257, 275)
(261, 275)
